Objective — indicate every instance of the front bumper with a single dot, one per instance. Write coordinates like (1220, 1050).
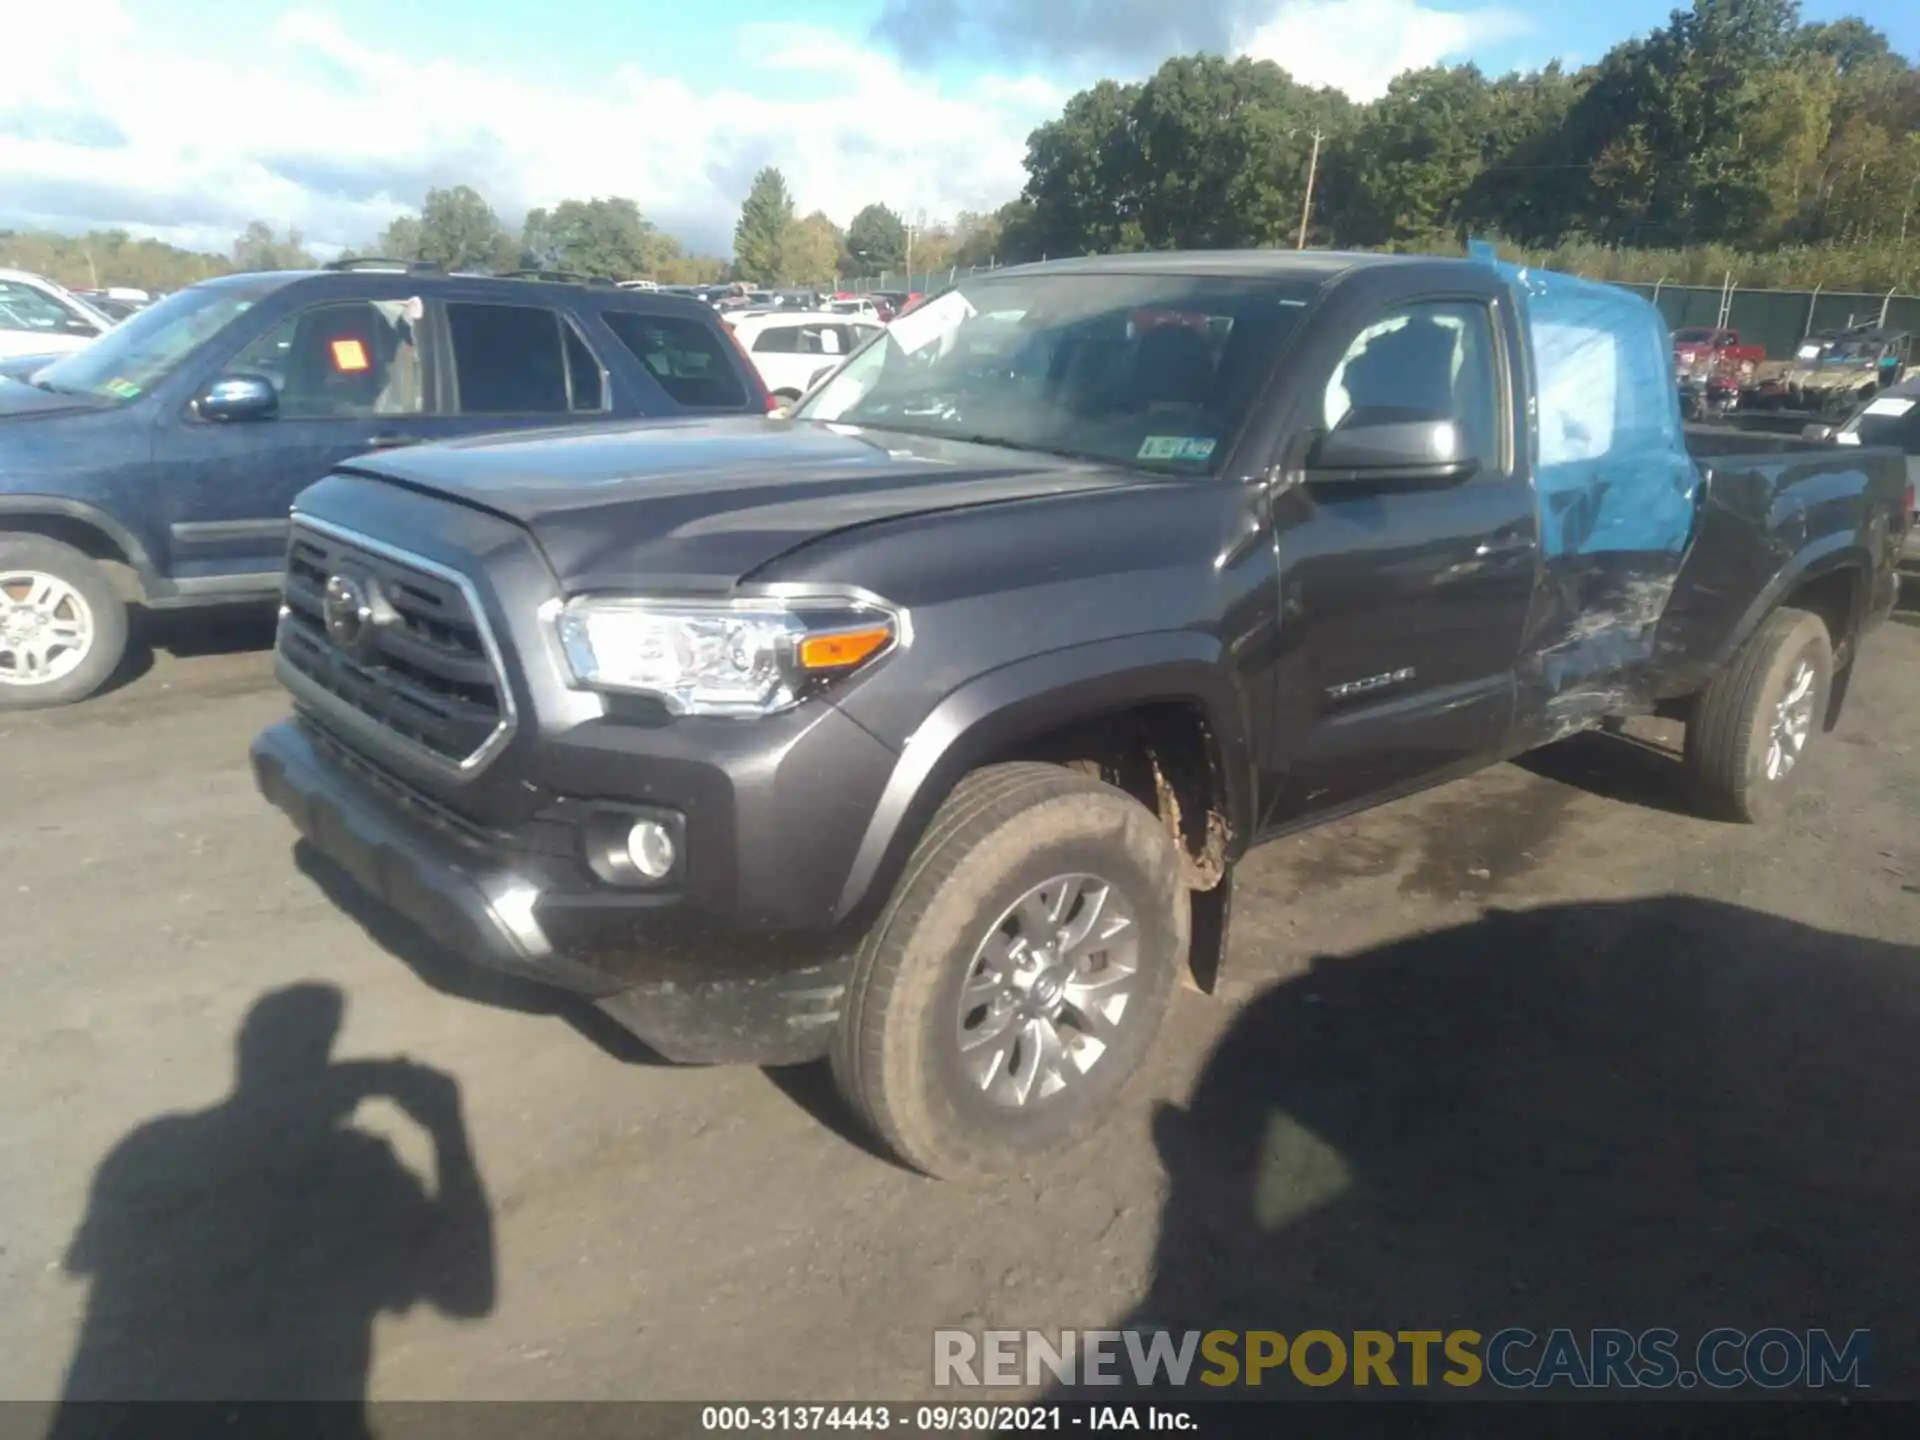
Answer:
(523, 905)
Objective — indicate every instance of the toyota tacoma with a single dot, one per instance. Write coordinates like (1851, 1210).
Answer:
(923, 729)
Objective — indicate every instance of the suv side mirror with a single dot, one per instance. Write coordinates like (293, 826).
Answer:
(1376, 446)
(239, 397)
(1817, 434)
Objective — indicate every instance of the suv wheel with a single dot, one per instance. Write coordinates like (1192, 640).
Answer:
(1746, 744)
(63, 630)
(1017, 978)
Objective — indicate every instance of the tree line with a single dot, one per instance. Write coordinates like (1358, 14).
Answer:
(1734, 139)
(1734, 135)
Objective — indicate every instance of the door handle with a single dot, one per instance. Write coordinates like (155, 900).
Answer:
(1503, 545)
(390, 441)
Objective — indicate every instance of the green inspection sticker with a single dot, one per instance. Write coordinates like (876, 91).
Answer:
(1174, 447)
(124, 389)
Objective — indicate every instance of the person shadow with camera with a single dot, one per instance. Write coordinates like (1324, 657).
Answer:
(242, 1253)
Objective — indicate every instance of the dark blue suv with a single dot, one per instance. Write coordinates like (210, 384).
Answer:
(156, 466)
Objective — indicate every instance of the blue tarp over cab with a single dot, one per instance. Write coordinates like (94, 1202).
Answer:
(1611, 461)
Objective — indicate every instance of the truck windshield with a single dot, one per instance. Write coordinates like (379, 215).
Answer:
(129, 359)
(1156, 371)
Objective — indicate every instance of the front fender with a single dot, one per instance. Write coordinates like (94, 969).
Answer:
(994, 714)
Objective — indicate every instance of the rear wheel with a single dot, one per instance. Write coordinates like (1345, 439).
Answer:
(63, 629)
(1016, 980)
(1753, 724)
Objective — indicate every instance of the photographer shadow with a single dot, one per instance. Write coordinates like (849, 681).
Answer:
(242, 1252)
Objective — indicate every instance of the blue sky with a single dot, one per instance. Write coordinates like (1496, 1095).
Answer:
(336, 115)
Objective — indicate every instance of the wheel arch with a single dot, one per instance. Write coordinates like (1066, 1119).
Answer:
(89, 530)
(1155, 714)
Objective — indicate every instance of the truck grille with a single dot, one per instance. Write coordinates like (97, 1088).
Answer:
(408, 652)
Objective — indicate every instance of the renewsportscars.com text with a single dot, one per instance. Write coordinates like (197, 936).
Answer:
(1513, 1358)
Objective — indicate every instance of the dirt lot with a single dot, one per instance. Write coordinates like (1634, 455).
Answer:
(1536, 1048)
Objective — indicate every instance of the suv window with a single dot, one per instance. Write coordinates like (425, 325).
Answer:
(340, 360)
(1437, 358)
(25, 307)
(520, 360)
(688, 359)
(816, 339)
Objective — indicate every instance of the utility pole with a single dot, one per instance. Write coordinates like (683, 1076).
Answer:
(1313, 171)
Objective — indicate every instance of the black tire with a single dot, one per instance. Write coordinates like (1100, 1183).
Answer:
(1729, 737)
(89, 581)
(1005, 830)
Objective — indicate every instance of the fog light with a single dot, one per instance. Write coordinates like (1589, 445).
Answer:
(650, 848)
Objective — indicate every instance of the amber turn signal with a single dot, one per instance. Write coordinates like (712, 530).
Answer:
(841, 648)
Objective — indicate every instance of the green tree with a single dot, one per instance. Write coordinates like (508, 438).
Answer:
(1083, 175)
(400, 240)
(977, 238)
(765, 216)
(257, 248)
(597, 237)
(458, 230)
(876, 242)
(810, 251)
(1415, 154)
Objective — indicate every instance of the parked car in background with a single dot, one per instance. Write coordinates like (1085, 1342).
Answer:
(639, 285)
(1712, 365)
(157, 465)
(117, 302)
(38, 317)
(858, 305)
(1891, 418)
(794, 350)
(1831, 372)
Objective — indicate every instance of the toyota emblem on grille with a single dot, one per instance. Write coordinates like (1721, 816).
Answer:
(352, 611)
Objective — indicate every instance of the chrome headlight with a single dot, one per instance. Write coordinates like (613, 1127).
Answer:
(742, 657)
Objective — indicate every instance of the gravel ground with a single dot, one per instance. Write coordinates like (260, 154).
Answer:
(1534, 1048)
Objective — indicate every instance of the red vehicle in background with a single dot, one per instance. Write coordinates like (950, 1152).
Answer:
(1712, 366)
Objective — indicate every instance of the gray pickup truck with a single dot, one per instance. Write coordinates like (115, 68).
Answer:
(923, 729)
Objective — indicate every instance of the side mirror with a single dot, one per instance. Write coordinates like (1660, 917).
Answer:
(239, 397)
(1817, 434)
(1390, 446)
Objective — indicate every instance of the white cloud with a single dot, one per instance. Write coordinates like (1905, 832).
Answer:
(1359, 45)
(140, 126)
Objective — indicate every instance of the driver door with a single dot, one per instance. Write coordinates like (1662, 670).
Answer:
(351, 375)
(1402, 606)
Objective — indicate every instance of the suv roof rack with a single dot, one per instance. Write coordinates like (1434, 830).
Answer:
(559, 277)
(381, 262)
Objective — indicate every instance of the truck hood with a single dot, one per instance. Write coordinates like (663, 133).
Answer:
(708, 500)
(18, 398)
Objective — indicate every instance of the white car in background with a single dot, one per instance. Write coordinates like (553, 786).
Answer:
(37, 317)
(864, 309)
(793, 349)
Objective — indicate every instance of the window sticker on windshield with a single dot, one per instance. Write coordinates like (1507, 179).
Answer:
(349, 355)
(1174, 447)
(123, 389)
(1891, 405)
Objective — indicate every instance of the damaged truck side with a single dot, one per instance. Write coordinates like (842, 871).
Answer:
(923, 729)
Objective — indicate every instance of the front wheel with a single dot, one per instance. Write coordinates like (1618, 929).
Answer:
(63, 629)
(1753, 724)
(1016, 980)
